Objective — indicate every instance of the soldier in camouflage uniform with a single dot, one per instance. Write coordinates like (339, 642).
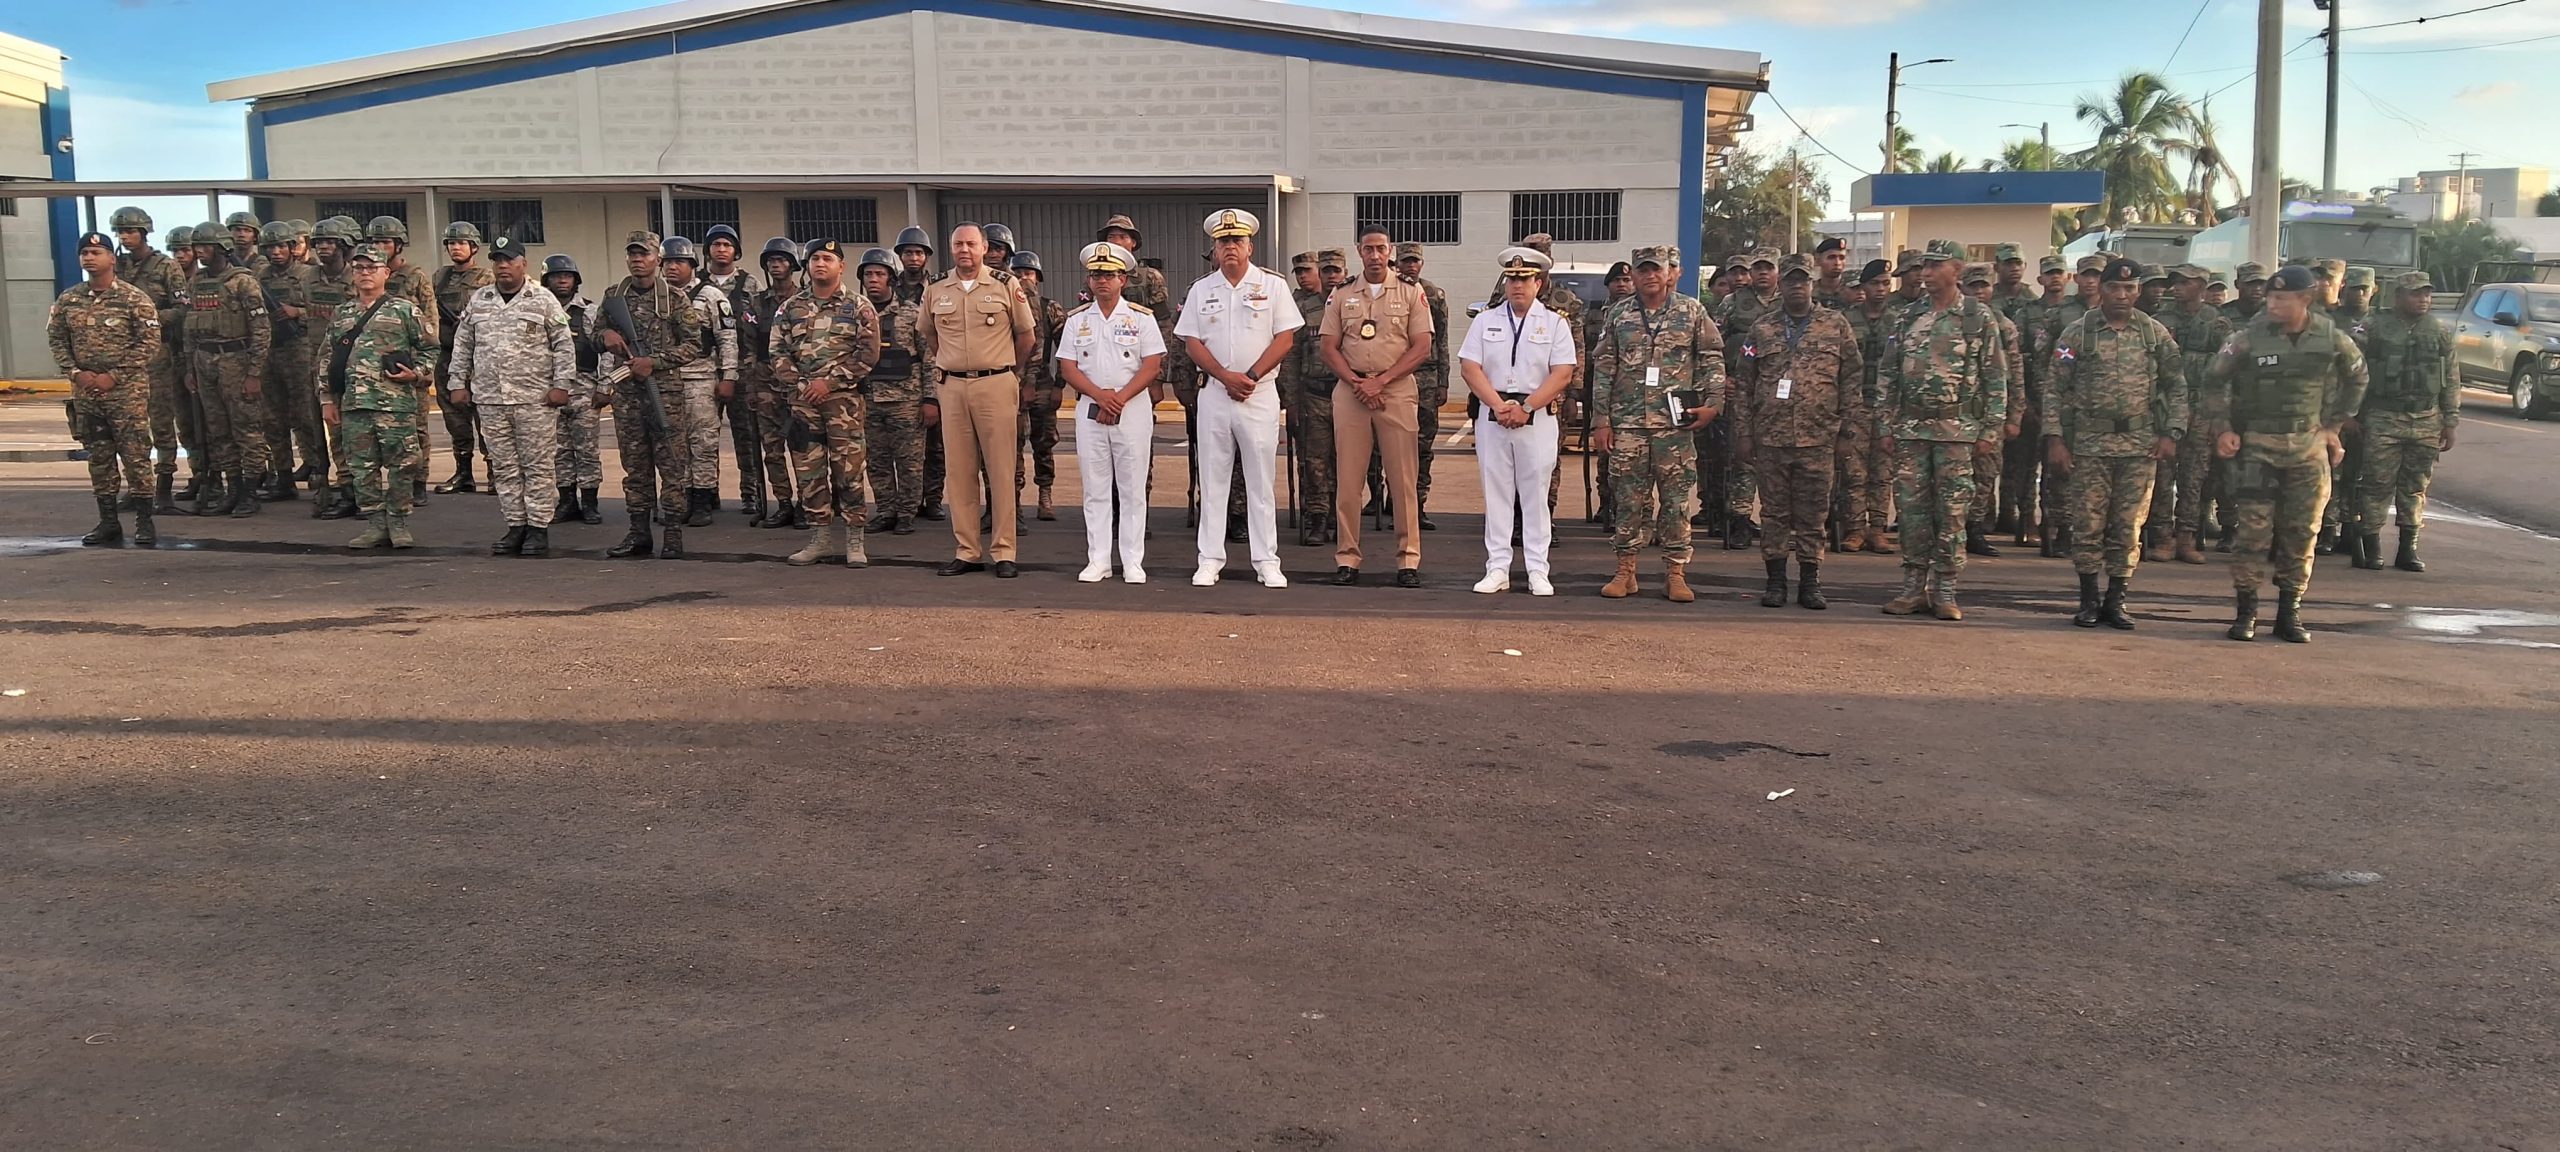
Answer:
(2201, 330)
(1722, 472)
(228, 341)
(292, 410)
(1431, 380)
(159, 277)
(760, 403)
(1868, 471)
(1040, 389)
(1945, 398)
(2407, 418)
(1797, 397)
(379, 365)
(327, 283)
(914, 250)
(2276, 396)
(453, 284)
(1657, 377)
(2251, 284)
(825, 342)
(1831, 286)
(653, 434)
(515, 362)
(1310, 402)
(721, 270)
(579, 467)
(2117, 387)
(391, 236)
(105, 335)
(1980, 283)
(708, 379)
(2032, 503)
(2341, 526)
(893, 400)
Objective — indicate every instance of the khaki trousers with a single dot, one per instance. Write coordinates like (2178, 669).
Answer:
(980, 419)
(1391, 430)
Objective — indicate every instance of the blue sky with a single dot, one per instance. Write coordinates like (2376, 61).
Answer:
(2414, 94)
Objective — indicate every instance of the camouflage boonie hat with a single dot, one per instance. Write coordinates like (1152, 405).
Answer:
(1302, 260)
(2151, 272)
(1976, 274)
(2188, 271)
(2250, 273)
(2413, 282)
(2332, 269)
(1906, 260)
(2006, 253)
(2359, 276)
(644, 240)
(1333, 258)
(1664, 255)
(1540, 241)
(1760, 256)
(1941, 250)
(370, 252)
(1122, 224)
(2052, 264)
(2090, 263)
(1408, 250)
(1796, 264)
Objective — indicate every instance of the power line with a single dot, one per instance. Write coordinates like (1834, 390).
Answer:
(1809, 137)
(2182, 36)
(2083, 83)
(1907, 87)
(2459, 48)
(2438, 16)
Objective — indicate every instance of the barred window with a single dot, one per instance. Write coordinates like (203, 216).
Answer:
(363, 211)
(521, 219)
(1418, 217)
(8, 206)
(1568, 217)
(694, 215)
(849, 219)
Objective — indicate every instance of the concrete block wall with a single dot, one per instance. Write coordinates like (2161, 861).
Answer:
(1016, 97)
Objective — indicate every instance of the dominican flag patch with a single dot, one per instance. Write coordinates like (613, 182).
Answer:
(1751, 350)
(2065, 355)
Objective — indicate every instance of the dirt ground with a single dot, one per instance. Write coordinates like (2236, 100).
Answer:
(304, 849)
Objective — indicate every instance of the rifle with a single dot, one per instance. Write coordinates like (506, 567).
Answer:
(615, 312)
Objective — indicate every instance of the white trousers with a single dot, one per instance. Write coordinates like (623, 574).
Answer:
(1228, 429)
(1517, 464)
(1113, 458)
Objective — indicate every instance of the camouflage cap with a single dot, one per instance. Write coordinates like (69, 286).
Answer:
(1941, 250)
(1333, 258)
(2217, 280)
(1906, 260)
(1120, 224)
(2006, 253)
(2413, 282)
(2250, 273)
(1976, 274)
(2330, 269)
(2052, 264)
(2151, 272)
(1302, 260)
(1540, 241)
(2188, 271)
(643, 240)
(1408, 250)
(2359, 276)
(1661, 255)
(1738, 262)
(1760, 256)
(2090, 263)
(1795, 264)
(369, 253)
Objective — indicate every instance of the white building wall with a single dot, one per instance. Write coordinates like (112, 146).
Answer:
(1021, 98)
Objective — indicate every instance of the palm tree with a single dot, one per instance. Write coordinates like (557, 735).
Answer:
(2138, 128)
(1906, 151)
(1945, 162)
(2207, 166)
(2027, 155)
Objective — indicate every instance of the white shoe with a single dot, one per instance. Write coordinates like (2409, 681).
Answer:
(1269, 573)
(1133, 576)
(1095, 573)
(1540, 586)
(1494, 582)
(1207, 575)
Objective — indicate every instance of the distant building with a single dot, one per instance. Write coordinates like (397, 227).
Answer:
(1864, 235)
(1980, 210)
(2470, 193)
(35, 144)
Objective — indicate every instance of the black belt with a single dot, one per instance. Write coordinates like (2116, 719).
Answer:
(975, 374)
(233, 345)
(2277, 427)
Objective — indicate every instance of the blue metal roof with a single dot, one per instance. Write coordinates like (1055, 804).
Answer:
(1936, 189)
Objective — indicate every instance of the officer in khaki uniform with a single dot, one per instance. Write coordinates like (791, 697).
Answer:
(1377, 330)
(978, 332)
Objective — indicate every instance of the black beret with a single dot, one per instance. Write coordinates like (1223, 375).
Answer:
(1875, 270)
(2291, 278)
(834, 248)
(1829, 244)
(2120, 271)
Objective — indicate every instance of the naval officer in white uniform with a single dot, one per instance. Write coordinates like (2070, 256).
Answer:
(1238, 323)
(1517, 359)
(1109, 353)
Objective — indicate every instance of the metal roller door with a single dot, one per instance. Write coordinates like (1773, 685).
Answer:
(1058, 227)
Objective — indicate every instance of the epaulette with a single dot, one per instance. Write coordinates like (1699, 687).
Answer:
(1133, 306)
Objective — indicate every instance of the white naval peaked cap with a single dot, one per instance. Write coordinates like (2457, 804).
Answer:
(1227, 222)
(1105, 256)
(1524, 262)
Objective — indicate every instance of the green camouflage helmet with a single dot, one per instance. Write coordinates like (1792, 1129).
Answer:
(274, 233)
(240, 220)
(462, 230)
(179, 237)
(336, 228)
(129, 216)
(213, 235)
(386, 228)
(299, 229)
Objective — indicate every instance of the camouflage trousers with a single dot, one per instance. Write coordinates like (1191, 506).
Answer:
(424, 445)
(764, 403)
(1311, 440)
(1868, 486)
(1986, 485)
(1725, 478)
(1040, 438)
(380, 447)
(524, 460)
(234, 423)
(1652, 475)
(293, 412)
(826, 457)
(747, 438)
(116, 429)
(579, 462)
(172, 415)
(893, 440)
(1432, 393)
(1933, 485)
(461, 421)
(2398, 466)
(2019, 459)
(933, 465)
(2110, 502)
(702, 429)
(2198, 476)
(2279, 485)
(1795, 499)
(657, 467)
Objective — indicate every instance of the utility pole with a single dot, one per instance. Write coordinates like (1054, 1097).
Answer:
(2329, 141)
(1795, 199)
(2044, 137)
(2266, 188)
(1893, 84)
(2461, 187)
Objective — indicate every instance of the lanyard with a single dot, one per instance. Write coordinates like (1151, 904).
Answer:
(1518, 322)
(1794, 328)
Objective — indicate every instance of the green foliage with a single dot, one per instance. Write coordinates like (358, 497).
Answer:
(2449, 249)
(2549, 205)
(1746, 204)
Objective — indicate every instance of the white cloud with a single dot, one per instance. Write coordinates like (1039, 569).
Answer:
(2494, 92)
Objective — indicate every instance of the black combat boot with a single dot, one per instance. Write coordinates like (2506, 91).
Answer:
(161, 498)
(537, 544)
(508, 544)
(1774, 593)
(244, 495)
(751, 499)
(1422, 512)
(109, 530)
(2351, 541)
(2407, 560)
(587, 513)
(2112, 610)
(566, 508)
(2244, 618)
(2087, 617)
(2051, 544)
(275, 488)
(2369, 550)
(1977, 543)
(417, 492)
(2289, 617)
(1740, 533)
(342, 505)
(145, 533)
(188, 491)
(208, 501)
(783, 512)
(463, 479)
(635, 542)
(1809, 586)
(671, 543)
(2327, 544)
(698, 503)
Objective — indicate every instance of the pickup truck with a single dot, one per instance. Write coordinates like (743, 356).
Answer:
(2506, 337)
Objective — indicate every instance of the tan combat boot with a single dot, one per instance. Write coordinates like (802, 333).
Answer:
(855, 556)
(1914, 595)
(1855, 540)
(2158, 551)
(377, 532)
(1624, 585)
(1048, 507)
(2188, 551)
(816, 549)
(1675, 582)
(1942, 597)
(400, 536)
